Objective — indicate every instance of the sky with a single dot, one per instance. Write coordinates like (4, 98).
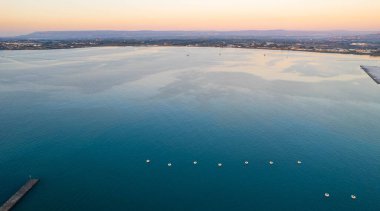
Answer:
(25, 16)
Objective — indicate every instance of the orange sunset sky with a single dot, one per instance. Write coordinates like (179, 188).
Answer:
(24, 16)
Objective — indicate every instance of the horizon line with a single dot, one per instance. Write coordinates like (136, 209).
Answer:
(196, 30)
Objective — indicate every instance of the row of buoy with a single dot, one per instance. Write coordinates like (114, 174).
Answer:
(221, 164)
(327, 195)
(189, 54)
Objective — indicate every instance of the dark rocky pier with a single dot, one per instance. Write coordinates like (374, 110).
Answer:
(8, 205)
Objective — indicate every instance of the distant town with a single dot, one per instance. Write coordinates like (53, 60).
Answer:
(363, 44)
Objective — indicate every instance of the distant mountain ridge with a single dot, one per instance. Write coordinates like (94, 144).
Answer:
(107, 34)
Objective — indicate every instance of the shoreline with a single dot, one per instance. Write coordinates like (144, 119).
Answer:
(194, 46)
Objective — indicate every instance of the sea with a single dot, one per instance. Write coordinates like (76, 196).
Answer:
(85, 122)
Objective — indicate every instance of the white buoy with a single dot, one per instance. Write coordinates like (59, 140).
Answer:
(299, 162)
(220, 164)
(353, 197)
(195, 162)
(271, 162)
(147, 161)
(169, 164)
(327, 195)
(246, 162)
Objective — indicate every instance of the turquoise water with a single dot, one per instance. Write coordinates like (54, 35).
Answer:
(85, 120)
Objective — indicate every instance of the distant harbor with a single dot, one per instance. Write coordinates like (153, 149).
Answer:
(319, 46)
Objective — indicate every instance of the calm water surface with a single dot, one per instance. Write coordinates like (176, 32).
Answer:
(85, 120)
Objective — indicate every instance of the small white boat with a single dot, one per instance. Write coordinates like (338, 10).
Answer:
(327, 195)
(353, 197)
(195, 162)
(169, 164)
(299, 162)
(246, 162)
(147, 161)
(271, 162)
(220, 164)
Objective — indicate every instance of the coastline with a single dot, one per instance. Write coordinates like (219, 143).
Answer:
(199, 46)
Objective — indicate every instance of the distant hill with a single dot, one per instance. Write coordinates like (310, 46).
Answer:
(275, 34)
(369, 37)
